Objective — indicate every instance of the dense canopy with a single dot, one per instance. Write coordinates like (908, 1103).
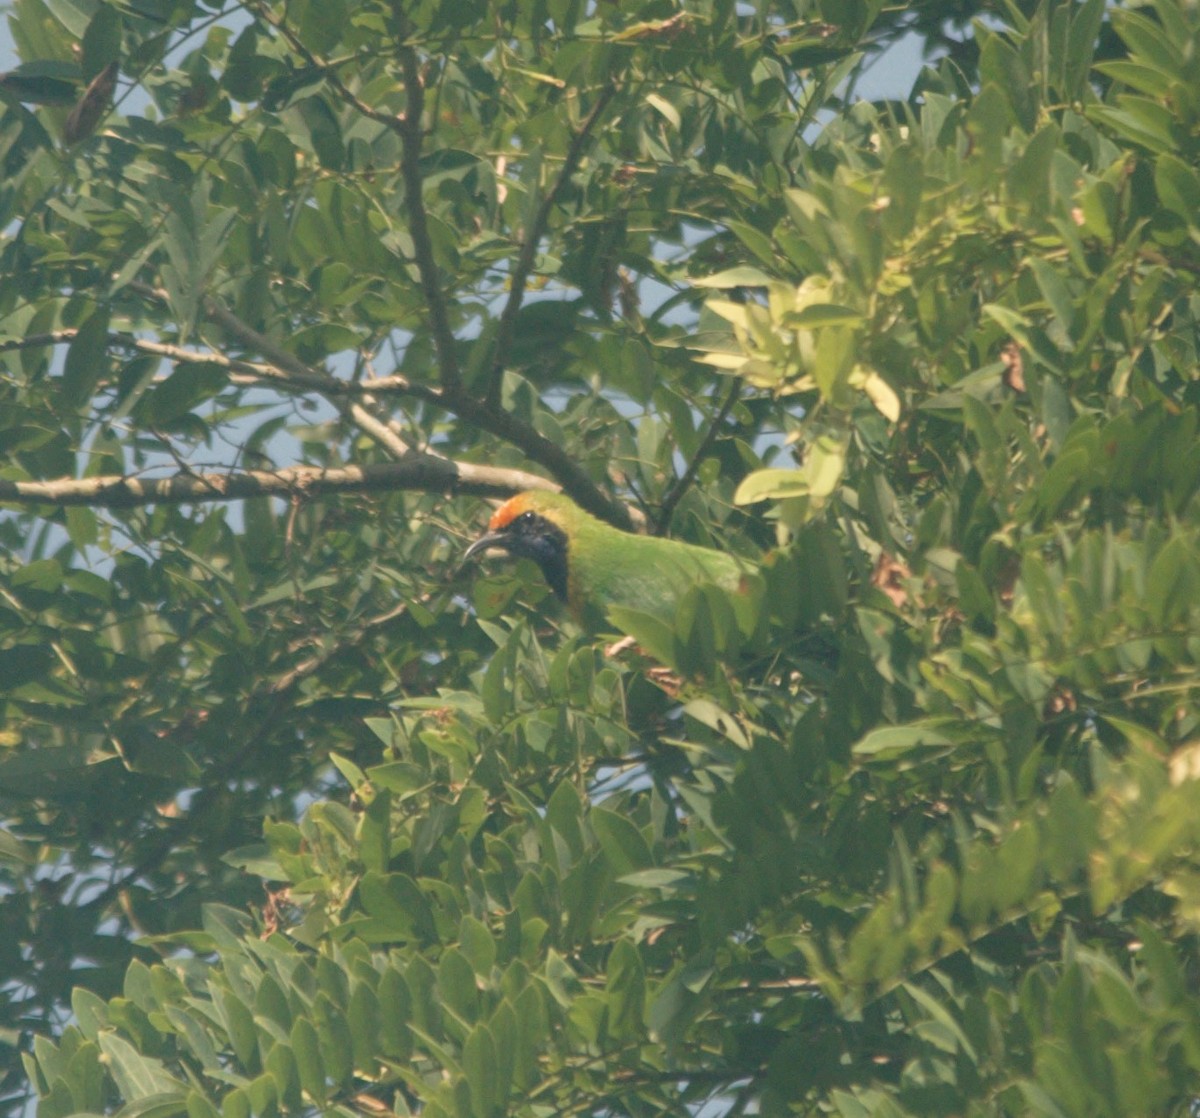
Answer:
(299, 816)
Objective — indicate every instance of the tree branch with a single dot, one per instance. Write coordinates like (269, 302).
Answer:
(574, 480)
(242, 372)
(496, 421)
(219, 314)
(382, 431)
(676, 492)
(529, 246)
(416, 471)
(409, 129)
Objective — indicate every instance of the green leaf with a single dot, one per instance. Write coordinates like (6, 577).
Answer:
(480, 1065)
(624, 848)
(625, 985)
(334, 1040)
(741, 276)
(239, 1024)
(1178, 187)
(477, 945)
(765, 485)
(309, 1063)
(652, 634)
(818, 315)
(101, 41)
(1145, 79)
(919, 741)
(1172, 583)
(395, 1013)
(1139, 120)
(397, 907)
(137, 1076)
(87, 359)
(666, 109)
(182, 391)
(456, 985)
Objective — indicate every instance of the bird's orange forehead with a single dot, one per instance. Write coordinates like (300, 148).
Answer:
(508, 512)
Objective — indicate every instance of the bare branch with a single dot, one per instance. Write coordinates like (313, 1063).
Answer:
(260, 343)
(245, 372)
(384, 433)
(421, 472)
(495, 420)
(529, 246)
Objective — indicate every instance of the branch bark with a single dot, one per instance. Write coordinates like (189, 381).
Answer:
(409, 128)
(423, 472)
(244, 372)
(533, 236)
(288, 371)
(676, 492)
(495, 420)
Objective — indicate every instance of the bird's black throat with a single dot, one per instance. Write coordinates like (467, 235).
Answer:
(531, 536)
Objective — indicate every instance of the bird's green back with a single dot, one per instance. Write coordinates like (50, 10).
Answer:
(608, 567)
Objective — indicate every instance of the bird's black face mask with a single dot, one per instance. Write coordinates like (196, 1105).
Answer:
(530, 536)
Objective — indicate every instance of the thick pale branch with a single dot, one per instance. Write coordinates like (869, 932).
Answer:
(422, 472)
(529, 246)
(385, 433)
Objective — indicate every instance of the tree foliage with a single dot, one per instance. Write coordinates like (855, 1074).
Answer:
(300, 817)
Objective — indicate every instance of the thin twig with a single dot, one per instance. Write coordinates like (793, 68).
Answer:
(684, 483)
(243, 373)
(529, 246)
(409, 129)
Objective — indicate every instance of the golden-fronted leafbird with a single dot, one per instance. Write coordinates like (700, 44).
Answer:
(595, 568)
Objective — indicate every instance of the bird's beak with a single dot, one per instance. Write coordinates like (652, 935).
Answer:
(490, 539)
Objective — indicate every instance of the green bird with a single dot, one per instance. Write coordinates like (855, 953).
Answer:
(595, 568)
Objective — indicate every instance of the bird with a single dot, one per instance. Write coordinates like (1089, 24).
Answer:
(602, 573)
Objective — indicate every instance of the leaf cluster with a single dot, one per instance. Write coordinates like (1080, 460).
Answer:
(290, 828)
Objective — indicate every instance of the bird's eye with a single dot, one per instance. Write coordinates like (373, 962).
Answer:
(526, 518)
